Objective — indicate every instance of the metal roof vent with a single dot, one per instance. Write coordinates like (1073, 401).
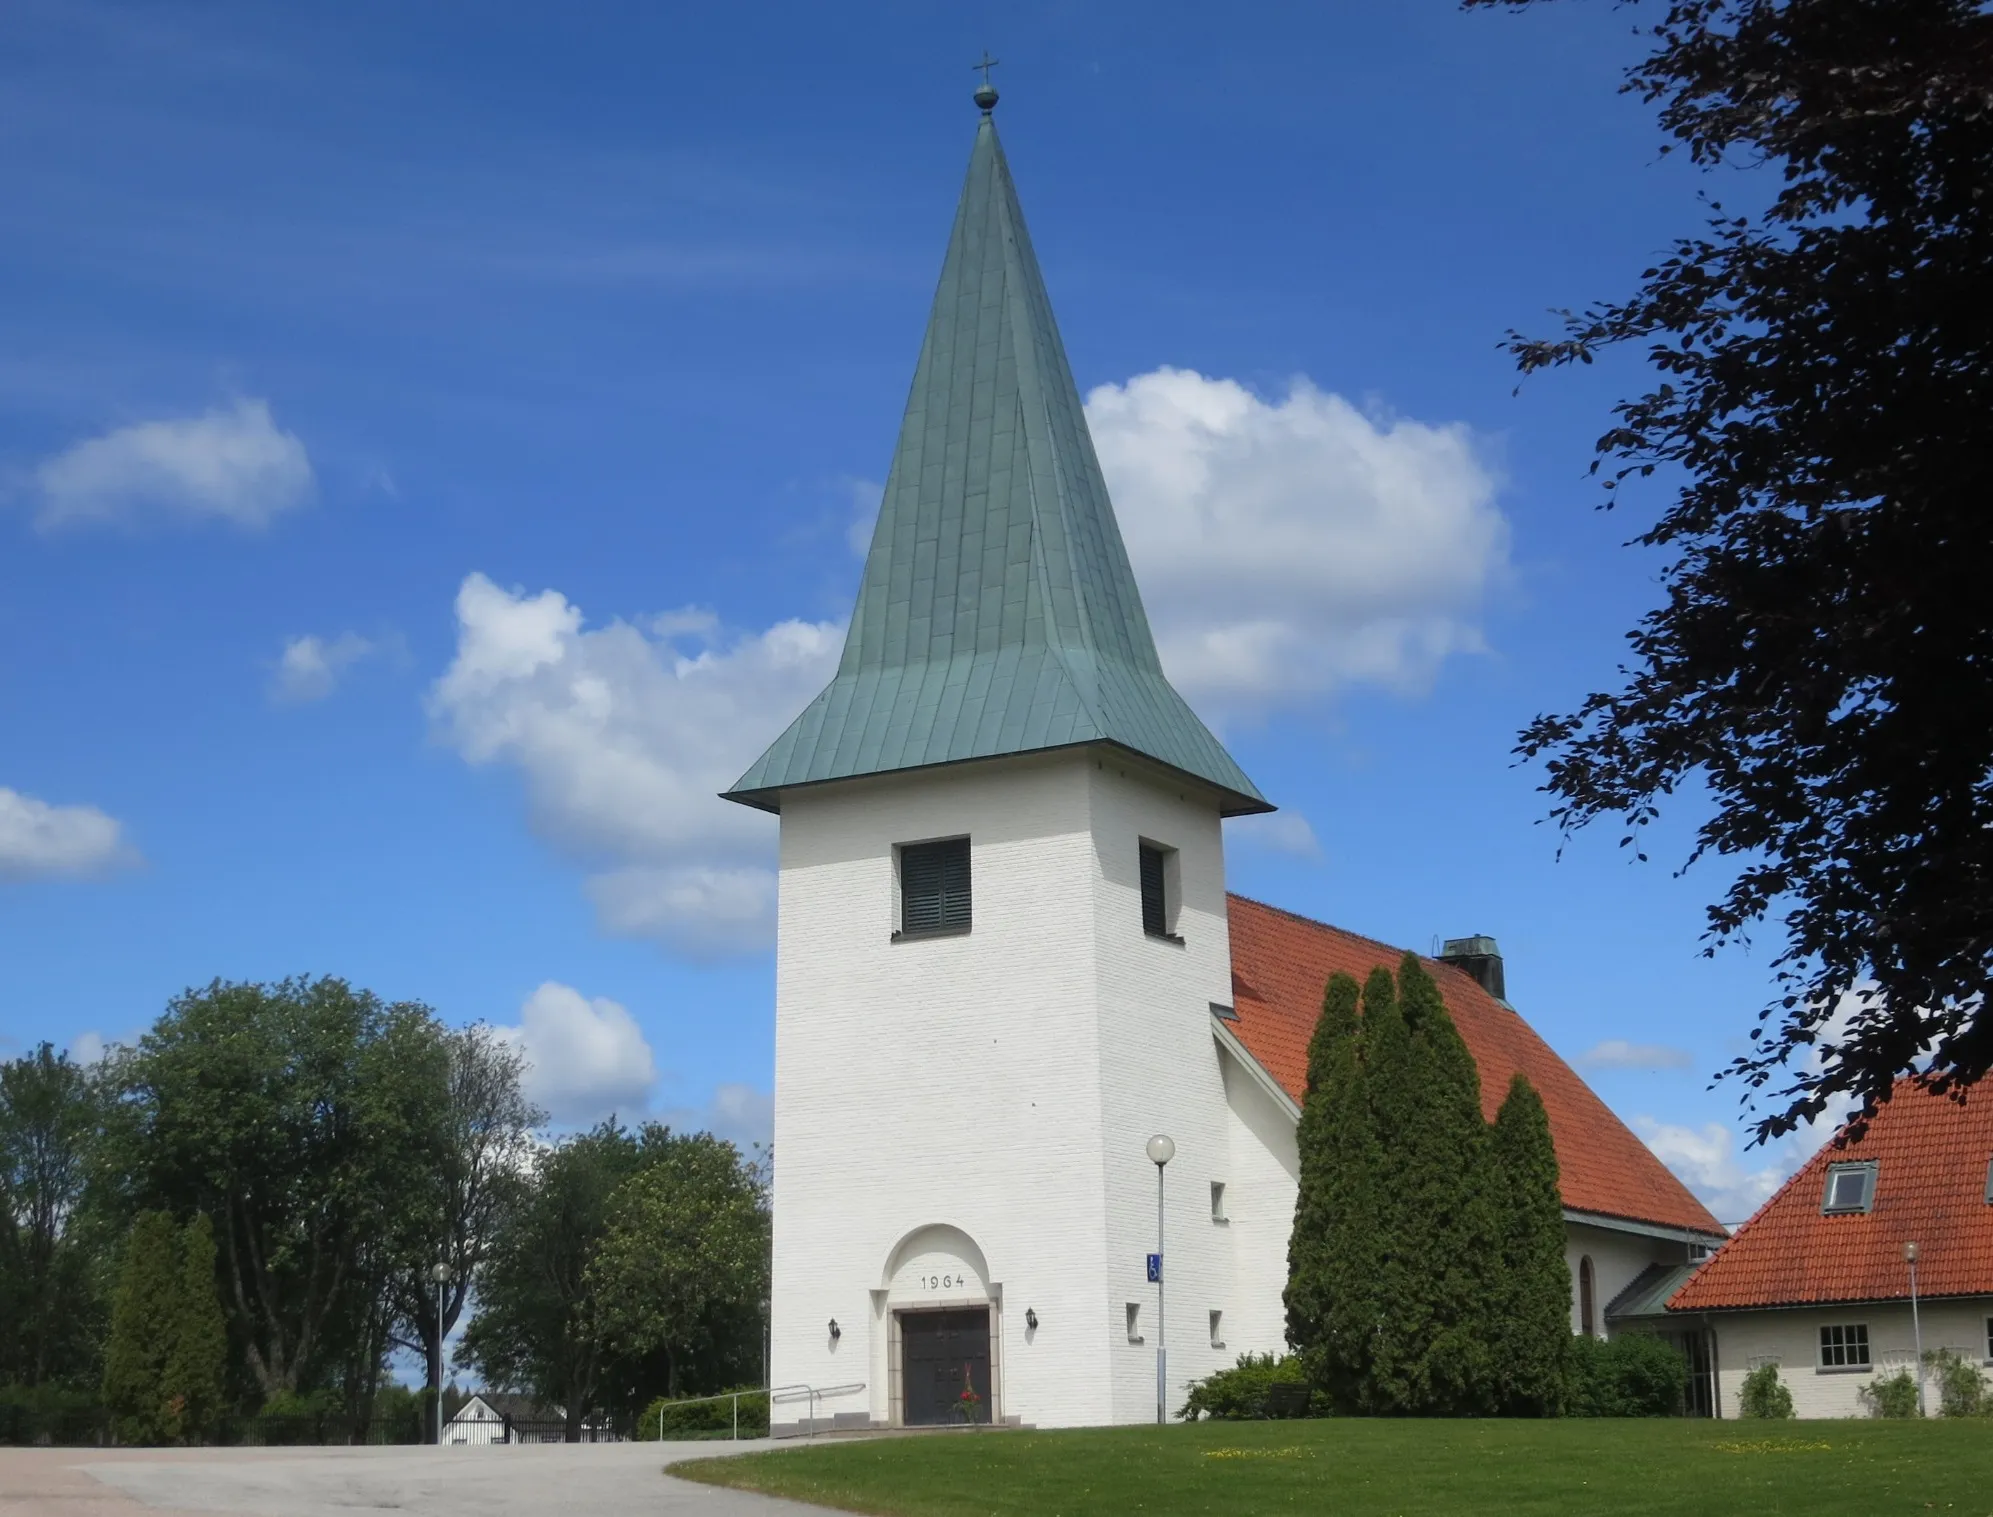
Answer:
(1481, 957)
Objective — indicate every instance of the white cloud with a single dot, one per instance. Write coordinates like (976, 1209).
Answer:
(587, 1058)
(310, 666)
(739, 1113)
(1287, 548)
(1706, 1160)
(233, 463)
(866, 494)
(39, 841)
(1276, 832)
(625, 736)
(1617, 1053)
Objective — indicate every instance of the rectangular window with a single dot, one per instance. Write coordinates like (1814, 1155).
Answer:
(1217, 1329)
(1134, 1322)
(1844, 1346)
(1218, 1201)
(1850, 1188)
(1989, 1182)
(934, 887)
(1989, 1338)
(1155, 891)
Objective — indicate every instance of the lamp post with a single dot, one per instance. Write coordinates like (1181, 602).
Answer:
(1916, 1326)
(1161, 1151)
(440, 1273)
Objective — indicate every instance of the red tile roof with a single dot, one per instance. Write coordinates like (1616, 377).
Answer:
(1930, 1188)
(1280, 965)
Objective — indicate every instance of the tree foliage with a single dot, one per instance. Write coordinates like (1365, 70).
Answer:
(1330, 1248)
(1764, 1395)
(1530, 1311)
(683, 1266)
(1426, 1270)
(601, 1290)
(1820, 661)
(142, 1317)
(486, 1140)
(49, 1300)
(305, 1118)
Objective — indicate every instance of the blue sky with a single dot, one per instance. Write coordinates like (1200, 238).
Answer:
(432, 441)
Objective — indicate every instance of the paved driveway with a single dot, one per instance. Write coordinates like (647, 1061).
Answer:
(533, 1480)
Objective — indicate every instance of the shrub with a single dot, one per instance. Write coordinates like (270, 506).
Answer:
(1892, 1395)
(50, 1414)
(1764, 1395)
(1243, 1392)
(698, 1418)
(1633, 1375)
(1961, 1387)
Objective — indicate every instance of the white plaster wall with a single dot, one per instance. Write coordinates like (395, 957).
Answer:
(1617, 1258)
(1792, 1338)
(1002, 1082)
(1265, 1177)
(1159, 1073)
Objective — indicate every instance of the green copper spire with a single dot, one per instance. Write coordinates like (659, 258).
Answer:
(998, 614)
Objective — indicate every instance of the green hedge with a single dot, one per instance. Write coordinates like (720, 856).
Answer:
(1246, 1391)
(50, 1414)
(689, 1417)
(1633, 1375)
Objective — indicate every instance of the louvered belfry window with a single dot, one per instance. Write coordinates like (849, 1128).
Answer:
(934, 887)
(1155, 908)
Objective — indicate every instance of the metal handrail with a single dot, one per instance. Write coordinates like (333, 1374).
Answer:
(773, 1393)
(813, 1393)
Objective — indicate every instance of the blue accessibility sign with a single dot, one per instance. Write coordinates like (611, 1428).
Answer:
(1155, 1269)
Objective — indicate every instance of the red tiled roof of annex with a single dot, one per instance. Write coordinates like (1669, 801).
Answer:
(1931, 1155)
(1281, 964)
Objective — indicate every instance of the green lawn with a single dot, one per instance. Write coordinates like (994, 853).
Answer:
(1359, 1468)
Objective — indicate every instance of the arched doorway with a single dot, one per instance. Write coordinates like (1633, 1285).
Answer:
(943, 1362)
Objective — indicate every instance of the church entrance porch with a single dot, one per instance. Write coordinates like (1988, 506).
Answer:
(945, 1366)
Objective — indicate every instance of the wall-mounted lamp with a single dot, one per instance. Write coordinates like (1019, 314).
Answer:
(836, 1332)
(1031, 1319)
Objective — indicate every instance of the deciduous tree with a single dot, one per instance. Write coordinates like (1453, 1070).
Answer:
(1818, 668)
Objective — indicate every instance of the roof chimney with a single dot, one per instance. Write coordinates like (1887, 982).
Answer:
(1481, 958)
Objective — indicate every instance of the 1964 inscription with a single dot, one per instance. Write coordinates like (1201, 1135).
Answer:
(943, 1282)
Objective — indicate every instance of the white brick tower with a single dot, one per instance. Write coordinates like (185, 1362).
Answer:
(1002, 921)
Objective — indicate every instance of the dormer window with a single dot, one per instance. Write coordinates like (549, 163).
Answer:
(1989, 1182)
(1850, 1188)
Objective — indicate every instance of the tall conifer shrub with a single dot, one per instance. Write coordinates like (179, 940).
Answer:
(191, 1381)
(142, 1314)
(1333, 1214)
(1531, 1316)
(1426, 1269)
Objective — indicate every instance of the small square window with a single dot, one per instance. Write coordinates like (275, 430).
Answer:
(1217, 1329)
(1218, 1202)
(1134, 1322)
(1844, 1346)
(934, 887)
(1850, 1188)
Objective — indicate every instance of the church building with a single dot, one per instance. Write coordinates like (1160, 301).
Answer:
(1007, 960)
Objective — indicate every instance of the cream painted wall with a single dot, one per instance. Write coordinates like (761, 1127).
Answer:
(1792, 1338)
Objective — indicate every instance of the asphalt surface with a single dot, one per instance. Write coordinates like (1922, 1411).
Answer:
(533, 1480)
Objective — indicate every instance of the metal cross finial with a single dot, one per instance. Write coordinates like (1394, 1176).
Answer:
(986, 93)
(986, 65)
